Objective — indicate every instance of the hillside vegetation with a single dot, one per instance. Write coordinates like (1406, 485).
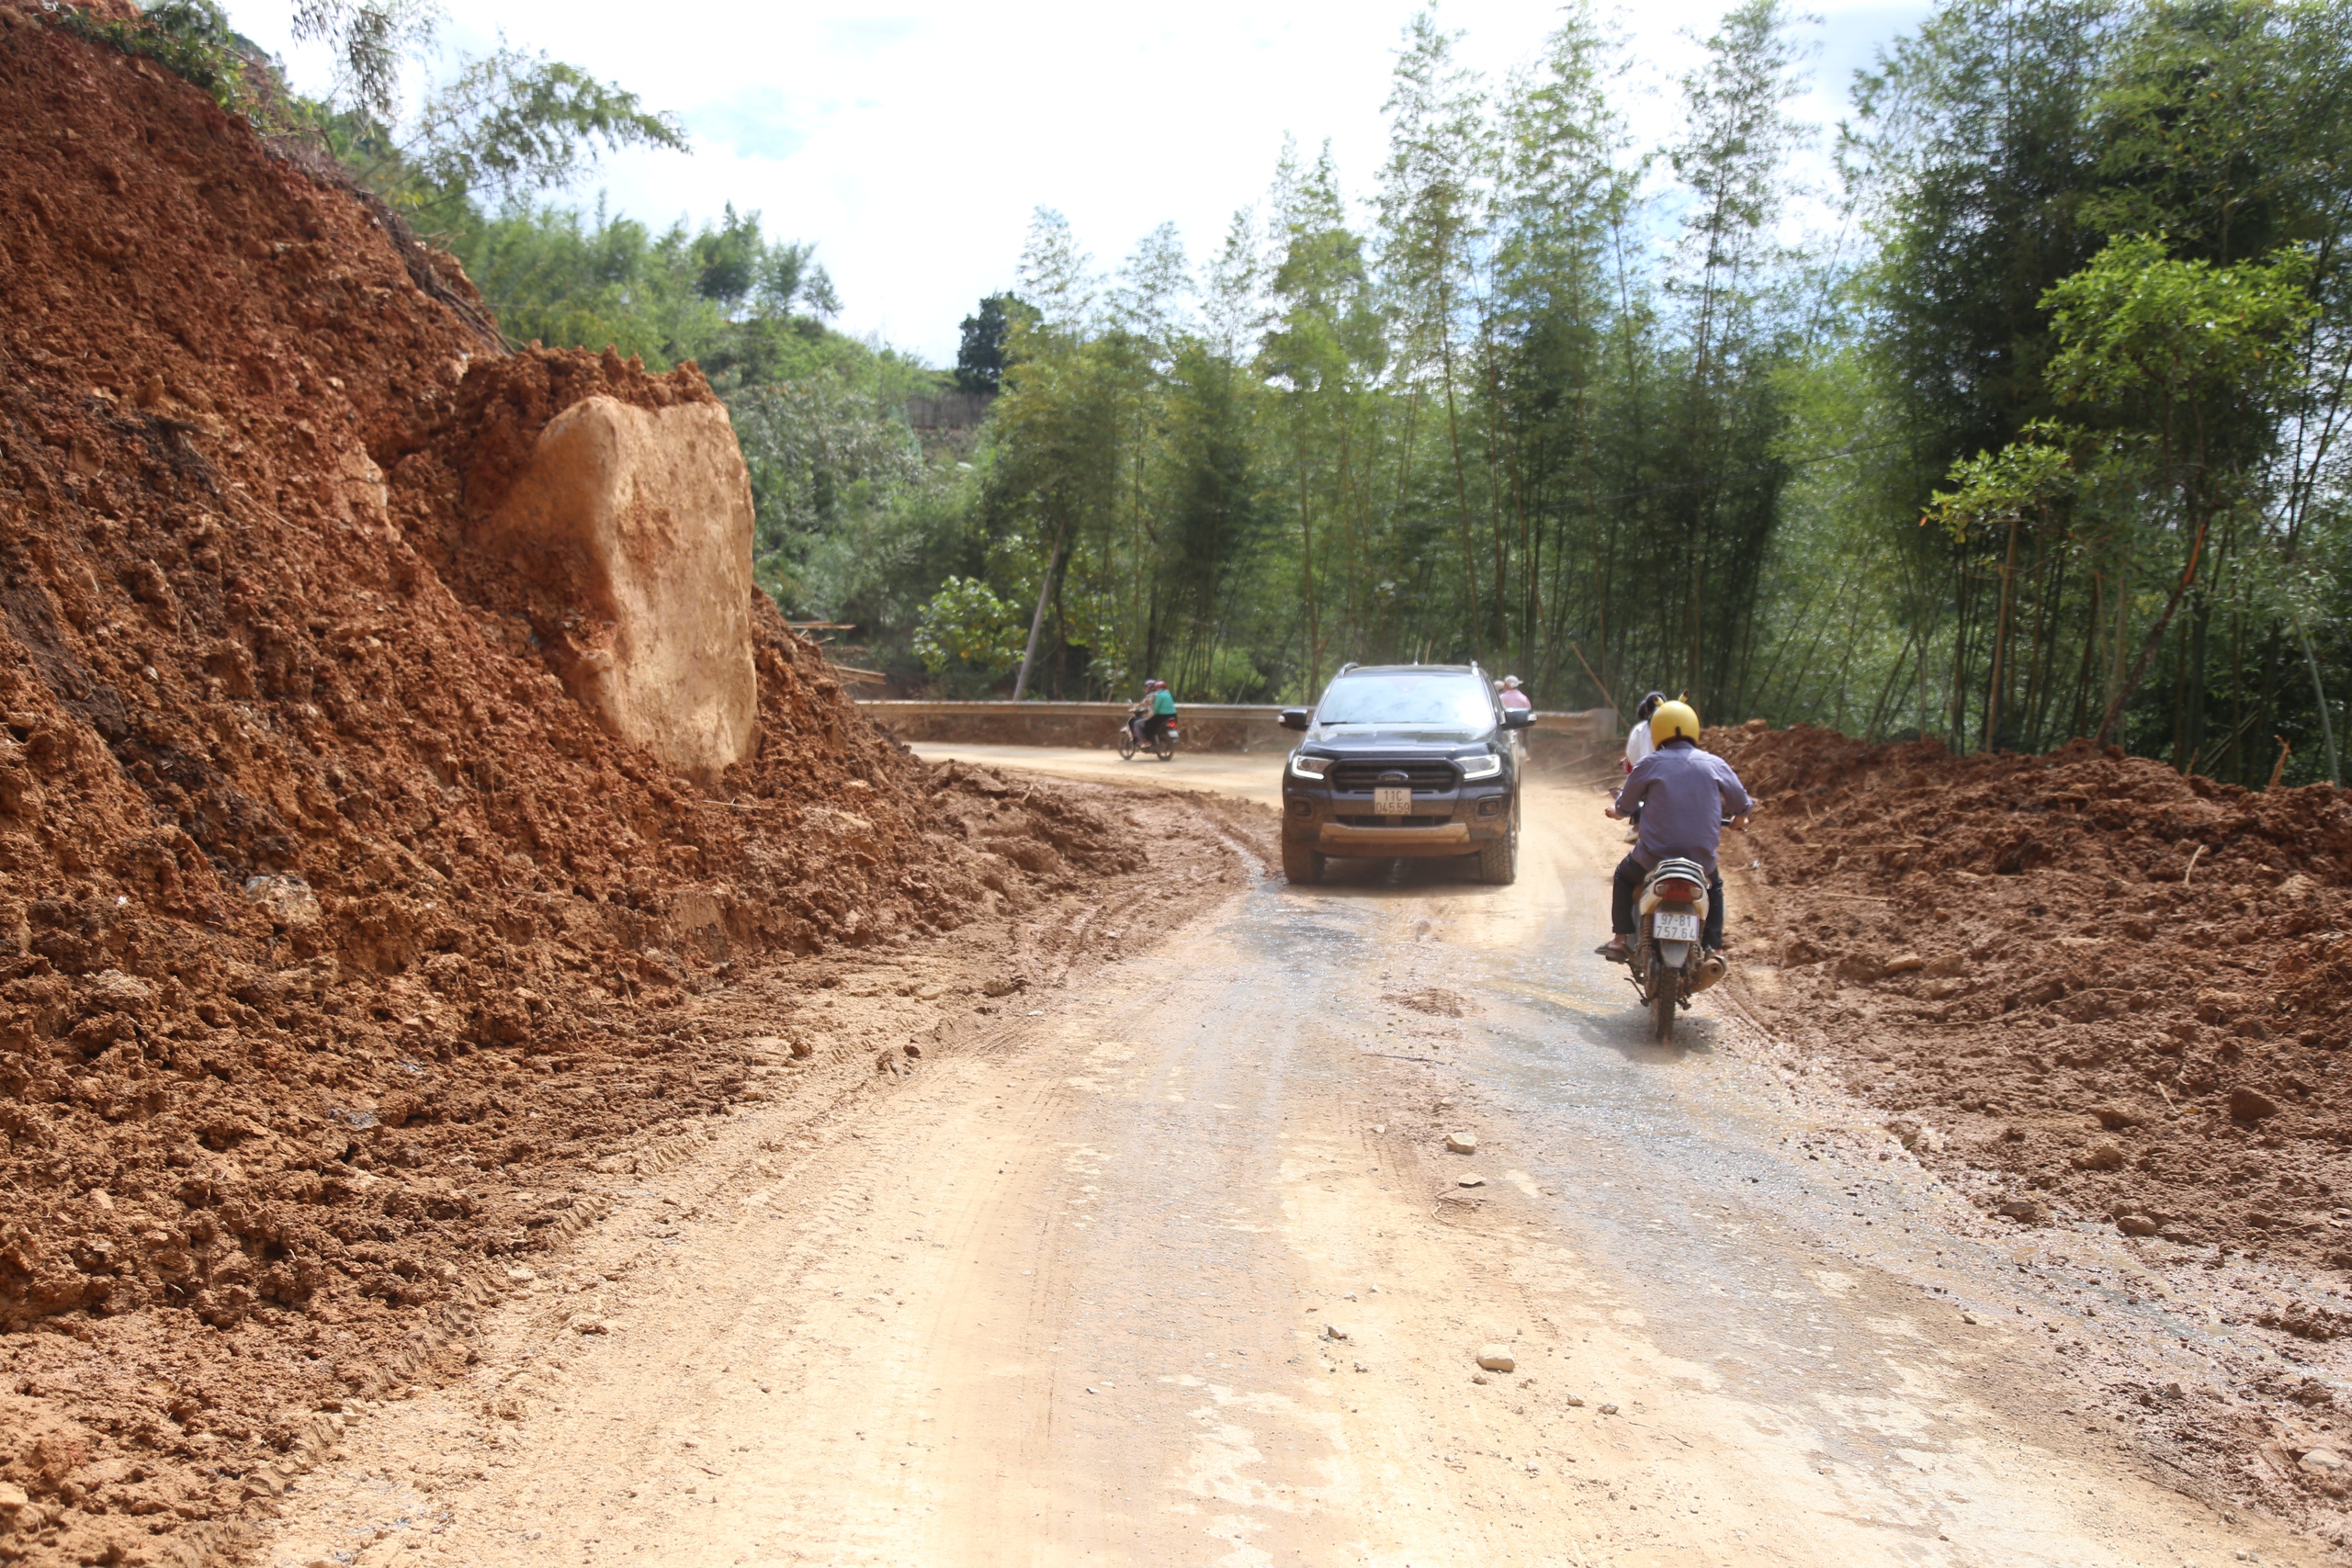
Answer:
(2027, 430)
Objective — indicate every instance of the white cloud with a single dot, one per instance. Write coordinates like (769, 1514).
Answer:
(911, 143)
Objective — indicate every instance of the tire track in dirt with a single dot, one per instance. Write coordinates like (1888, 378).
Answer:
(1088, 1263)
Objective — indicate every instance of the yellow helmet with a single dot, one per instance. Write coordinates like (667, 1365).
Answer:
(1672, 719)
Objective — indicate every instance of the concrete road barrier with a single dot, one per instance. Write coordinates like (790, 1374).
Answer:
(1207, 726)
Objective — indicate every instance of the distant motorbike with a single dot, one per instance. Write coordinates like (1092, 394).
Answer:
(1670, 965)
(1162, 745)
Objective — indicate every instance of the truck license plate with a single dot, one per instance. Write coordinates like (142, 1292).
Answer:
(1673, 928)
(1392, 802)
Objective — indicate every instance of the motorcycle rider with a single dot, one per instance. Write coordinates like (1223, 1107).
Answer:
(1637, 745)
(1679, 796)
(1637, 739)
(1154, 713)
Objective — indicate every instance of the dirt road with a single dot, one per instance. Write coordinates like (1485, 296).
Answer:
(1172, 1266)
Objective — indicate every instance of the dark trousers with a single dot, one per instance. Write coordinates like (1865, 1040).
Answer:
(1626, 893)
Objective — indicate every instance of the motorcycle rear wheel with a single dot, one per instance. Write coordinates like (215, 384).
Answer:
(1164, 749)
(1662, 989)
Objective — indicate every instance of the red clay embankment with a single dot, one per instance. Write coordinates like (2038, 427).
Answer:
(2127, 992)
(336, 942)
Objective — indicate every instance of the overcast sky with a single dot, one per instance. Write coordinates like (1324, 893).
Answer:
(911, 140)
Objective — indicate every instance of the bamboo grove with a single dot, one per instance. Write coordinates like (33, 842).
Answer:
(2024, 426)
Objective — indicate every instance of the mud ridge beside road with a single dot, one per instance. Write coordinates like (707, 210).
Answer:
(822, 1034)
(2112, 1004)
(338, 944)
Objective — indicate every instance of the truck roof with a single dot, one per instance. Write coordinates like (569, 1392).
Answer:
(1406, 669)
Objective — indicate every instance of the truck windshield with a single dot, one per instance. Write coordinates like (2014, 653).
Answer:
(1447, 704)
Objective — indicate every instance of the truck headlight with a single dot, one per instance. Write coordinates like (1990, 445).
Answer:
(1303, 766)
(1485, 767)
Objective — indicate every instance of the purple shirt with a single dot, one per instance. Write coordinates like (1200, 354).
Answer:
(1684, 793)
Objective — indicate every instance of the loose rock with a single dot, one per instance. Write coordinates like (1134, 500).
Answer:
(1462, 1142)
(1496, 1359)
(1472, 1180)
(1609, 1410)
(2251, 1104)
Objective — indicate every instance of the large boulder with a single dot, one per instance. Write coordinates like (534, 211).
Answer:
(642, 518)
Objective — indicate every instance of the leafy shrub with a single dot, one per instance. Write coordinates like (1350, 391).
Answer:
(191, 39)
(965, 629)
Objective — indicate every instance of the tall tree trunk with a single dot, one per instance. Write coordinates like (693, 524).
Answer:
(1461, 502)
(1037, 621)
(2131, 685)
(2319, 696)
(2000, 645)
(1307, 572)
(1886, 692)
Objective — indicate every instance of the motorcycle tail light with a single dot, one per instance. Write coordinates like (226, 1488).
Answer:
(1676, 888)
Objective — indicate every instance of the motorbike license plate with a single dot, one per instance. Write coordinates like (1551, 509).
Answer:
(1673, 928)
(1392, 802)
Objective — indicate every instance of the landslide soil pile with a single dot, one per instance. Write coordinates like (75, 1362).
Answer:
(333, 935)
(2114, 992)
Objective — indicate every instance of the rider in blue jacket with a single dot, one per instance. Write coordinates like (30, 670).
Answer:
(1682, 795)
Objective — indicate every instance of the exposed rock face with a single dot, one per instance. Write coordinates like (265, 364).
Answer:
(643, 517)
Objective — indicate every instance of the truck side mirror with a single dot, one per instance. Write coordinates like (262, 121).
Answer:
(1294, 719)
(1518, 718)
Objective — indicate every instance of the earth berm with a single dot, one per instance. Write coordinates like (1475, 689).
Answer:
(342, 954)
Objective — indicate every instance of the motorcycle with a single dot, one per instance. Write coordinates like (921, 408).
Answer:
(1670, 964)
(1163, 746)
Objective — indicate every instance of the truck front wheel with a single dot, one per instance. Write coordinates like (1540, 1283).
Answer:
(1499, 860)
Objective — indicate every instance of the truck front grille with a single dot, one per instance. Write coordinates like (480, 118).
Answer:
(1358, 778)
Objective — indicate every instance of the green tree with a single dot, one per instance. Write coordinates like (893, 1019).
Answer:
(1432, 209)
(2182, 350)
(1564, 201)
(980, 357)
(507, 127)
(1732, 158)
(1321, 351)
